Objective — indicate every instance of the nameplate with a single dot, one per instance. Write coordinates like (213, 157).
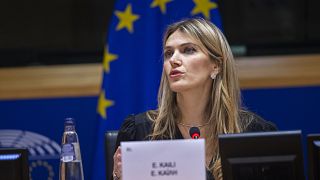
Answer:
(164, 160)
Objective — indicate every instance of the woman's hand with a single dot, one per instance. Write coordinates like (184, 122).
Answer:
(117, 165)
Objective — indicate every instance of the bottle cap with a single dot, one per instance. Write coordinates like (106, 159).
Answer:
(69, 122)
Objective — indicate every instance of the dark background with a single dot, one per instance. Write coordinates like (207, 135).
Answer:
(41, 32)
(266, 27)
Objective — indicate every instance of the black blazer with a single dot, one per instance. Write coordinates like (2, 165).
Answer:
(138, 127)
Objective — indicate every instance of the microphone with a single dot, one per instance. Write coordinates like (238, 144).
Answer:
(194, 132)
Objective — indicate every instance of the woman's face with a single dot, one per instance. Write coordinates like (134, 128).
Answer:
(186, 65)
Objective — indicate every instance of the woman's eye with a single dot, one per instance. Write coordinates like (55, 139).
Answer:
(167, 54)
(189, 50)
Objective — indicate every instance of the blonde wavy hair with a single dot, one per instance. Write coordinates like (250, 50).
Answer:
(222, 110)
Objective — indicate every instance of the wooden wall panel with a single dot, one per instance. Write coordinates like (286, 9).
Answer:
(50, 81)
(85, 79)
(279, 71)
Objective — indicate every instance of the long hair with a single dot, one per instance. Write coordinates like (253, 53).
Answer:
(222, 110)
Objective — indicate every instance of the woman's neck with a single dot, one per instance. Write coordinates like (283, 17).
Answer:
(192, 106)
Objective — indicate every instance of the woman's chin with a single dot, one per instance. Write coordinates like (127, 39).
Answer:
(175, 87)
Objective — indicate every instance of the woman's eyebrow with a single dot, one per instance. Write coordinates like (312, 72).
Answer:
(182, 45)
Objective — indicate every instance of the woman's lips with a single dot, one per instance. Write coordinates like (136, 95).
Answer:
(175, 74)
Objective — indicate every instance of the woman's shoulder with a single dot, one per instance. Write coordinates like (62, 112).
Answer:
(135, 127)
(134, 120)
(251, 122)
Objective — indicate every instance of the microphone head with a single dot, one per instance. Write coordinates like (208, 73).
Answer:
(194, 132)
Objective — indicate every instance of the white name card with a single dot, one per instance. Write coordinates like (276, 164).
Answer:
(164, 160)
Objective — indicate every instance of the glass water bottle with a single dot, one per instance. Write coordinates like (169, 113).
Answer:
(70, 157)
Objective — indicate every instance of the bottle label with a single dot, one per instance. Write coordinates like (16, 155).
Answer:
(67, 153)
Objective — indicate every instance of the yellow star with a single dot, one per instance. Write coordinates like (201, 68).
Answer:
(107, 58)
(103, 104)
(161, 4)
(204, 7)
(126, 19)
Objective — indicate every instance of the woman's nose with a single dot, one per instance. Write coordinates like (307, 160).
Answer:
(175, 61)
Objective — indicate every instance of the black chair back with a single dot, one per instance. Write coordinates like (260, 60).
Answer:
(110, 143)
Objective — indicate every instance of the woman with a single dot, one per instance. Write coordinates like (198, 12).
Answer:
(199, 88)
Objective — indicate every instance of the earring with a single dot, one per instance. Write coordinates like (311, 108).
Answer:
(213, 75)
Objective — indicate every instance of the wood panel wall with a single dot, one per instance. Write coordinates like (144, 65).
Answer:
(85, 79)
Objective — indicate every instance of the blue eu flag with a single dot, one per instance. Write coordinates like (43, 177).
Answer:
(133, 60)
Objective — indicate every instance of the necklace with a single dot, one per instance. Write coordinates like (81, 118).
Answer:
(190, 126)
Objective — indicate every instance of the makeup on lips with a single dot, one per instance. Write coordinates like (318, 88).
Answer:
(176, 74)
